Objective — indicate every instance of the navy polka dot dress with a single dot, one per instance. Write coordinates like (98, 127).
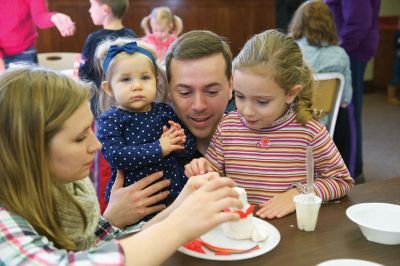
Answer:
(131, 143)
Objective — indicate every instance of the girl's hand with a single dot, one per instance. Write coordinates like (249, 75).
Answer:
(197, 166)
(203, 209)
(64, 24)
(172, 140)
(279, 206)
(130, 204)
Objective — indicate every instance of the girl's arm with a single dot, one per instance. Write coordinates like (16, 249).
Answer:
(333, 179)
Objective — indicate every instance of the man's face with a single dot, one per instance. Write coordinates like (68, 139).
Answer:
(200, 91)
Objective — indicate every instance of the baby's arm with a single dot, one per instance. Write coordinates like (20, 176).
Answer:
(120, 154)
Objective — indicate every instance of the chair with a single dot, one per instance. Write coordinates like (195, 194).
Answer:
(327, 96)
(61, 61)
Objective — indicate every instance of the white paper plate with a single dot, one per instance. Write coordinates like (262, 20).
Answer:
(216, 237)
(348, 262)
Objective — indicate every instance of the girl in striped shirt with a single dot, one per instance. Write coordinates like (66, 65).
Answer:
(262, 145)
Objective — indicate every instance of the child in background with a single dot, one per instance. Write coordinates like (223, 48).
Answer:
(262, 145)
(106, 13)
(161, 28)
(314, 30)
(134, 130)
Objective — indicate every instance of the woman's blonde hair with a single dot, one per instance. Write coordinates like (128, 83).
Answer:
(106, 101)
(314, 21)
(34, 104)
(274, 54)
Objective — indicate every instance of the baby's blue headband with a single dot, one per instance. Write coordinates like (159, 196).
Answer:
(129, 48)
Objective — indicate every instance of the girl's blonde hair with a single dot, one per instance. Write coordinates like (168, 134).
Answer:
(34, 104)
(162, 14)
(106, 101)
(314, 21)
(274, 54)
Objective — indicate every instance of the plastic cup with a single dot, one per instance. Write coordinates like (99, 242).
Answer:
(307, 208)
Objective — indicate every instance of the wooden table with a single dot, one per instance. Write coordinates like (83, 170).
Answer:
(335, 236)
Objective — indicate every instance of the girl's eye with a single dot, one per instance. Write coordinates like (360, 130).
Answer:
(263, 102)
(125, 79)
(146, 77)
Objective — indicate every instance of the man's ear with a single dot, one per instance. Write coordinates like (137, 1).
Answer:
(107, 88)
(292, 93)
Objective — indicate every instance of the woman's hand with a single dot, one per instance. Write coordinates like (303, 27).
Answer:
(198, 166)
(202, 210)
(130, 204)
(279, 206)
(64, 24)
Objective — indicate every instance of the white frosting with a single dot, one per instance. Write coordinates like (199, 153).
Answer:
(244, 228)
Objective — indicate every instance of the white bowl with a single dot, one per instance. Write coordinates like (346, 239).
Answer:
(379, 222)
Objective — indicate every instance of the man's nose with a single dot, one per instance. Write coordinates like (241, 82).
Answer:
(199, 102)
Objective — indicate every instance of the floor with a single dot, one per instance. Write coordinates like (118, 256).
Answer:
(381, 140)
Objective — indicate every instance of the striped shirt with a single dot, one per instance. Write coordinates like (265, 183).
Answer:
(272, 160)
(20, 244)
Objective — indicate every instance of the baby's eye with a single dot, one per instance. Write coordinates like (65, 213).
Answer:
(125, 79)
(146, 77)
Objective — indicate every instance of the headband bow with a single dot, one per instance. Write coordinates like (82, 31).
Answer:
(129, 48)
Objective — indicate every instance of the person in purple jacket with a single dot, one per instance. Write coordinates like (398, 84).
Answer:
(357, 23)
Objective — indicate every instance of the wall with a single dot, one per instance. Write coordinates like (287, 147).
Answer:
(225, 17)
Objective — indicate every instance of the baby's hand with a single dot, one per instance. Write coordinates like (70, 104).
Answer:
(171, 140)
(197, 166)
(176, 127)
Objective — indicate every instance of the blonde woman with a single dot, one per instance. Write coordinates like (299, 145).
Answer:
(48, 208)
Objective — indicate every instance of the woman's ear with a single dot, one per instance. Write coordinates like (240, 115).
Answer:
(107, 88)
(292, 93)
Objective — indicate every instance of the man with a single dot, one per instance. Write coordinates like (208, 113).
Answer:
(199, 72)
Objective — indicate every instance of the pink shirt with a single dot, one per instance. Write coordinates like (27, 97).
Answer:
(18, 21)
(160, 46)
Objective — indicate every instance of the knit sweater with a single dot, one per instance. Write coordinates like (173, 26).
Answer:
(272, 160)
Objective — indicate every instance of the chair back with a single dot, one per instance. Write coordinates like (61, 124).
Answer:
(327, 96)
(61, 61)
